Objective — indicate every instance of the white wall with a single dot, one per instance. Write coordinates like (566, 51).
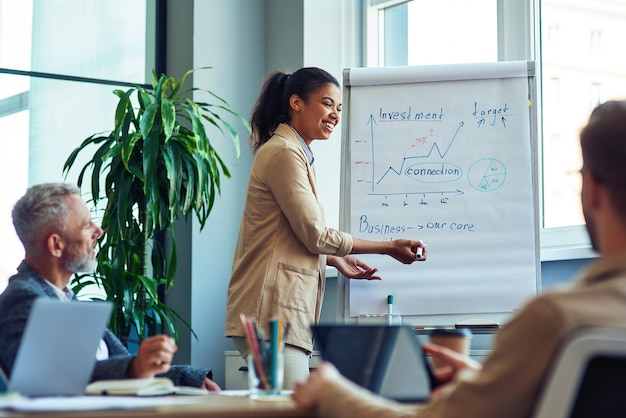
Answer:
(229, 36)
(236, 39)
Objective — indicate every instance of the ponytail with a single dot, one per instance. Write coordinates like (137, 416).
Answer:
(269, 110)
(272, 106)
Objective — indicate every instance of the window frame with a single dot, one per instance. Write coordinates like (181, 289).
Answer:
(519, 37)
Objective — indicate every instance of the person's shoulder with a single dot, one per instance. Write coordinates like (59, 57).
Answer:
(566, 307)
(17, 299)
(25, 282)
(284, 132)
(22, 287)
(553, 301)
(282, 139)
(279, 146)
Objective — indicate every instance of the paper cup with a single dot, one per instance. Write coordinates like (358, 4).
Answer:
(457, 339)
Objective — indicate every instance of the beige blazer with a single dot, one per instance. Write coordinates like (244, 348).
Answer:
(279, 263)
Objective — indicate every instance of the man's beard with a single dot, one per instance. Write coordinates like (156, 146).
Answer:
(80, 263)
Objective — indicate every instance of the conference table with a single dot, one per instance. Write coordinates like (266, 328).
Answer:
(203, 406)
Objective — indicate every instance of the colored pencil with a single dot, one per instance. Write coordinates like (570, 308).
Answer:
(255, 350)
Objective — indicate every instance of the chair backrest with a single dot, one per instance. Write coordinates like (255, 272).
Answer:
(587, 378)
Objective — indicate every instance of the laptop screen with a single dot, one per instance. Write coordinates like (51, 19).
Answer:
(388, 360)
(58, 349)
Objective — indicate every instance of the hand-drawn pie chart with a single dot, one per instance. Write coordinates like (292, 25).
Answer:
(487, 175)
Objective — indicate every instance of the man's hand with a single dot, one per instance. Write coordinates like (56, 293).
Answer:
(307, 394)
(210, 385)
(456, 365)
(153, 357)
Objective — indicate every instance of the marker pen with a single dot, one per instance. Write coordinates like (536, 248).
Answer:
(420, 251)
(390, 308)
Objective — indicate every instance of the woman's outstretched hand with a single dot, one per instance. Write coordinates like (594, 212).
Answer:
(352, 267)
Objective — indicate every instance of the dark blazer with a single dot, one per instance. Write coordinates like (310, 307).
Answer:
(15, 305)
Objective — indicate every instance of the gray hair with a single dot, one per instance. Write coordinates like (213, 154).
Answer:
(42, 208)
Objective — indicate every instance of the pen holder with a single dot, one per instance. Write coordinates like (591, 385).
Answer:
(265, 377)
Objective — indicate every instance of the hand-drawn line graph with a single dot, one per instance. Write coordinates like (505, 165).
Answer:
(410, 167)
(434, 147)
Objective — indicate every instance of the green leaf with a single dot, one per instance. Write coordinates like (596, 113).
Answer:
(147, 121)
(144, 98)
(172, 267)
(150, 285)
(72, 158)
(122, 107)
(168, 113)
(172, 162)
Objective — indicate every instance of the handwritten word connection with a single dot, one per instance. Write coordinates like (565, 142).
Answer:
(365, 226)
(409, 115)
(433, 172)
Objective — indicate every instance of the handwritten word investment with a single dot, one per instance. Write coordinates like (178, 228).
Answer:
(408, 115)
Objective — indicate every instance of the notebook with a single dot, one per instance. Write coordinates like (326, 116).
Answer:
(155, 386)
(386, 359)
(58, 350)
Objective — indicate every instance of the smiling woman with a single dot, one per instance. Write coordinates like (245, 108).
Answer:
(283, 242)
(316, 117)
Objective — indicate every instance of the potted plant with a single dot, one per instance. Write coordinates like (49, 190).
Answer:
(156, 165)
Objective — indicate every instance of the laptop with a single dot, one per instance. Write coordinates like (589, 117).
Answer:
(386, 359)
(58, 350)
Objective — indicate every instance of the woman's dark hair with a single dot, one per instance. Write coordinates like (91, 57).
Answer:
(272, 106)
(603, 144)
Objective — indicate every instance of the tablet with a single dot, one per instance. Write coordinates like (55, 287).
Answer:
(386, 359)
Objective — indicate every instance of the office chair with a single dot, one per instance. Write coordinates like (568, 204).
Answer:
(588, 378)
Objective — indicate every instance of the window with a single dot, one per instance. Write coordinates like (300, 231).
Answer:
(554, 91)
(13, 165)
(580, 66)
(590, 68)
(15, 47)
(412, 33)
(552, 35)
(596, 94)
(596, 40)
(56, 58)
